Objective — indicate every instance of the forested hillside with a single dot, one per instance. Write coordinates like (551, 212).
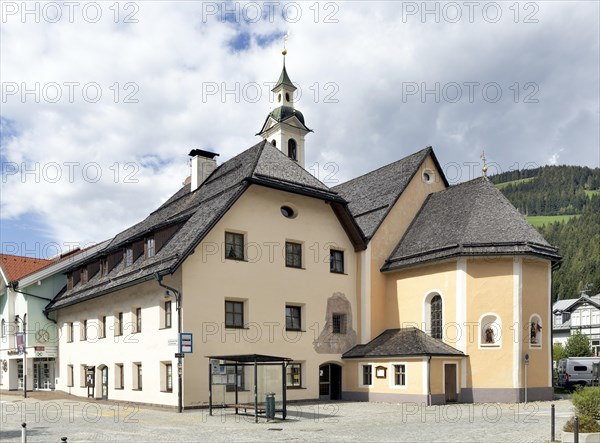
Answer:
(563, 202)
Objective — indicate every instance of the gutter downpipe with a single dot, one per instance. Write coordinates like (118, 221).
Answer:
(178, 295)
(15, 284)
(429, 381)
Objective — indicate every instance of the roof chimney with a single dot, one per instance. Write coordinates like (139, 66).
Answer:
(203, 164)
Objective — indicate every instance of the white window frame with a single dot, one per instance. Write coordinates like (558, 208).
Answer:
(392, 375)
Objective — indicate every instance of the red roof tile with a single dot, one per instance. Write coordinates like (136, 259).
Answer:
(15, 266)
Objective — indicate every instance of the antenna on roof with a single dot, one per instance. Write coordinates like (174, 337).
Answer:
(484, 169)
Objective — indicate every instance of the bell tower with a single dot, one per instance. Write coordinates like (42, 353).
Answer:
(284, 126)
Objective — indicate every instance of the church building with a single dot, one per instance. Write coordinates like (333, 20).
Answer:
(393, 286)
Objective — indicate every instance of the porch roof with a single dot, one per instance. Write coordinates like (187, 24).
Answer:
(403, 342)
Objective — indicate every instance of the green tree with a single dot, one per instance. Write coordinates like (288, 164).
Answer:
(558, 352)
(578, 345)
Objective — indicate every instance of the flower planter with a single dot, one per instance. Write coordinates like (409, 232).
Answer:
(568, 437)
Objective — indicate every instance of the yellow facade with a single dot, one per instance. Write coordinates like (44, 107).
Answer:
(257, 215)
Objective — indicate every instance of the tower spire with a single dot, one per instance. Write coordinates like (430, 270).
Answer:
(284, 127)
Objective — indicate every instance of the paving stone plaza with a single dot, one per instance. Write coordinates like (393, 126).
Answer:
(49, 418)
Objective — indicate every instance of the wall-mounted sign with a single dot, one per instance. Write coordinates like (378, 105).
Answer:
(185, 342)
(380, 371)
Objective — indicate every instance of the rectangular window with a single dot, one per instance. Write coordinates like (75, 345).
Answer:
(138, 319)
(234, 314)
(367, 375)
(294, 375)
(119, 376)
(69, 282)
(234, 246)
(70, 332)
(400, 375)
(70, 376)
(336, 261)
(102, 332)
(150, 247)
(168, 317)
(293, 255)
(83, 331)
(84, 275)
(338, 322)
(119, 324)
(82, 371)
(169, 377)
(128, 258)
(292, 318)
(103, 266)
(137, 376)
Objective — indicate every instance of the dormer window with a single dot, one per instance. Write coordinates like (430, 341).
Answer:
(70, 281)
(292, 149)
(128, 256)
(150, 247)
(84, 275)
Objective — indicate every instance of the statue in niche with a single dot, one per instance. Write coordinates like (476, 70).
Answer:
(535, 328)
(489, 335)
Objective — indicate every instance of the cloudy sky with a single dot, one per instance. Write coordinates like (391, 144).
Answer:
(101, 103)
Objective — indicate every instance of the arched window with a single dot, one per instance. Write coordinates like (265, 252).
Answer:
(490, 331)
(292, 149)
(535, 331)
(274, 142)
(436, 317)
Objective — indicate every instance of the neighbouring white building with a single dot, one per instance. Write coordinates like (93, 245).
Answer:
(577, 314)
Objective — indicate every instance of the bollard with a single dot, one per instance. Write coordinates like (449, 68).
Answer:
(552, 423)
(576, 430)
(23, 432)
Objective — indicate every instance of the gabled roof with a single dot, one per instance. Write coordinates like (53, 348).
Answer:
(196, 213)
(405, 342)
(15, 267)
(572, 304)
(372, 196)
(471, 218)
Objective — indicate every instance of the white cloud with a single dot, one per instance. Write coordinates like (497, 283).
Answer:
(364, 61)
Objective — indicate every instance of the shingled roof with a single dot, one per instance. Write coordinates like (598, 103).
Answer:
(371, 196)
(404, 342)
(194, 214)
(471, 218)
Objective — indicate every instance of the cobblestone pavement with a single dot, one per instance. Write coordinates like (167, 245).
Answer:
(52, 417)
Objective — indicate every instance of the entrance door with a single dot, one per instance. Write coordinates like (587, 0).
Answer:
(105, 383)
(330, 382)
(43, 374)
(450, 382)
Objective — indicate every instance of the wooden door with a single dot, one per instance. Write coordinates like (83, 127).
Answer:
(450, 382)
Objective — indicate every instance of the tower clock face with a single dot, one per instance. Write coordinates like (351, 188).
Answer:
(42, 336)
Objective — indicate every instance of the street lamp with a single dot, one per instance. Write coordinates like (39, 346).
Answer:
(178, 295)
(17, 318)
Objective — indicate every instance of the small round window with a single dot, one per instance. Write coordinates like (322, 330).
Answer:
(428, 176)
(287, 212)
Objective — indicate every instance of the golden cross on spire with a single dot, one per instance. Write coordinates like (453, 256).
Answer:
(484, 168)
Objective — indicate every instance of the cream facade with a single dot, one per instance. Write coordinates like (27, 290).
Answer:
(393, 286)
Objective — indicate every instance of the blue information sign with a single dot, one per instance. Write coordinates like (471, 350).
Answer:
(185, 342)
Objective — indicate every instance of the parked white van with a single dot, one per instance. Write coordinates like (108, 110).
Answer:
(575, 371)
